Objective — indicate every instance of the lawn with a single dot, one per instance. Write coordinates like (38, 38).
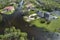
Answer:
(53, 26)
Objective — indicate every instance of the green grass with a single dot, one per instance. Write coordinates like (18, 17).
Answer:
(53, 26)
(38, 24)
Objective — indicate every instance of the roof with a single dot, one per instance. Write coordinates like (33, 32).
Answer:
(29, 5)
(48, 13)
(9, 8)
(40, 14)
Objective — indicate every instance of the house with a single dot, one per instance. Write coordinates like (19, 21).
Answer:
(47, 16)
(9, 8)
(50, 18)
(40, 14)
(29, 6)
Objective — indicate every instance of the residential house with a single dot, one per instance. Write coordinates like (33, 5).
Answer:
(47, 15)
(40, 14)
(9, 8)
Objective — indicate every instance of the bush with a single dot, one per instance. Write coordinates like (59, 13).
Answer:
(42, 20)
(48, 22)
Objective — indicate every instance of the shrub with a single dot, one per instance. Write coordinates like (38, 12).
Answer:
(42, 20)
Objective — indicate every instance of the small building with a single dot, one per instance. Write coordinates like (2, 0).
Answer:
(29, 6)
(50, 17)
(9, 8)
(40, 14)
(47, 16)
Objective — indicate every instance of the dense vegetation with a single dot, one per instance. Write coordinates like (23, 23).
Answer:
(13, 34)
